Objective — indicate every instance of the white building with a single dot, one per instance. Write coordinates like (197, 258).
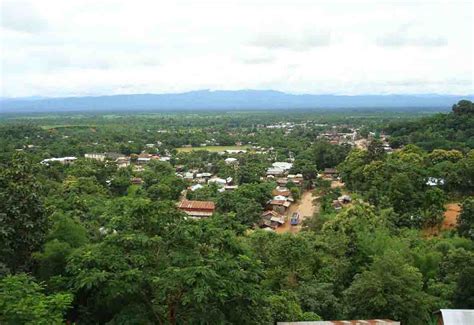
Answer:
(218, 181)
(231, 161)
(235, 151)
(95, 156)
(195, 187)
(282, 165)
(433, 181)
(189, 176)
(62, 160)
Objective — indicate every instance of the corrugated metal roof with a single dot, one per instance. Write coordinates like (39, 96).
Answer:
(280, 220)
(197, 205)
(270, 213)
(457, 316)
(277, 202)
(345, 322)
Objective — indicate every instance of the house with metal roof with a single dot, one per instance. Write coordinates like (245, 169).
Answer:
(345, 322)
(455, 316)
(197, 209)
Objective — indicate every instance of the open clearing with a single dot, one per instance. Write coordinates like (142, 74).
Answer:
(212, 148)
(450, 220)
(451, 216)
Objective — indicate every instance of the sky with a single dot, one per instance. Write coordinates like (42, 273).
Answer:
(56, 48)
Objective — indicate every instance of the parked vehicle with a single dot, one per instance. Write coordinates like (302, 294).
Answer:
(295, 219)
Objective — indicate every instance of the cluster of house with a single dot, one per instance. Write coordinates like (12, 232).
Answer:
(353, 138)
(277, 208)
(199, 179)
(125, 161)
(279, 172)
(121, 160)
(272, 218)
(201, 209)
(335, 137)
(279, 168)
(287, 126)
(275, 214)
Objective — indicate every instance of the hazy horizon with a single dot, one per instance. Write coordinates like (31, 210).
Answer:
(39, 97)
(229, 100)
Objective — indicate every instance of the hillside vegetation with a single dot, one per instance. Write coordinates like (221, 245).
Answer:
(93, 242)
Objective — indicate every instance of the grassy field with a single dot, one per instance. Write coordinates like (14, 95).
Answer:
(65, 126)
(213, 148)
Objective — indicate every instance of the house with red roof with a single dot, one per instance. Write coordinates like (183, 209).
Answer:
(197, 209)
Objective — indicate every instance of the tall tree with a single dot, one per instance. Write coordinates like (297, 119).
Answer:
(23, 219)
(390, 288)
(463, 107)
(375, 150)
(22, 301)
(466, 219)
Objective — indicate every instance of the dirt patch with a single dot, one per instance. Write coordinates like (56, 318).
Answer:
(450, 220)
(304, 207)
(451, 216)
(361, 144)
(337, 184)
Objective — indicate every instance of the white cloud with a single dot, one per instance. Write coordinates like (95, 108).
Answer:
(401, 40)
(58, 48)
(21, 16)
(296, 40)
(412, 35)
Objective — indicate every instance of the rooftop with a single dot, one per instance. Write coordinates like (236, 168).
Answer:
(196, 205)
(457, 316)
(345, 322)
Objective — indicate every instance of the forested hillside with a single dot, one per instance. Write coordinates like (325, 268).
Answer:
(443, 131)
(88, 240)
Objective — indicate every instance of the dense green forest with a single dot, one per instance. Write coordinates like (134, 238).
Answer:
(440, 131)
(91, 243)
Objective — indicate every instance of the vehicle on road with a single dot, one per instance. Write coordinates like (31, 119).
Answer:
(295, 219)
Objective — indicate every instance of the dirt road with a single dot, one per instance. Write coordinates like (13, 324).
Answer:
(304, 207)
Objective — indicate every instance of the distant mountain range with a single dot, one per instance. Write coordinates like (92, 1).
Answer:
(226, 100)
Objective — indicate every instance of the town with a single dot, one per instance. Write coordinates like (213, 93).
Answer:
(291, 216)
(236, 162)
(282, 211)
